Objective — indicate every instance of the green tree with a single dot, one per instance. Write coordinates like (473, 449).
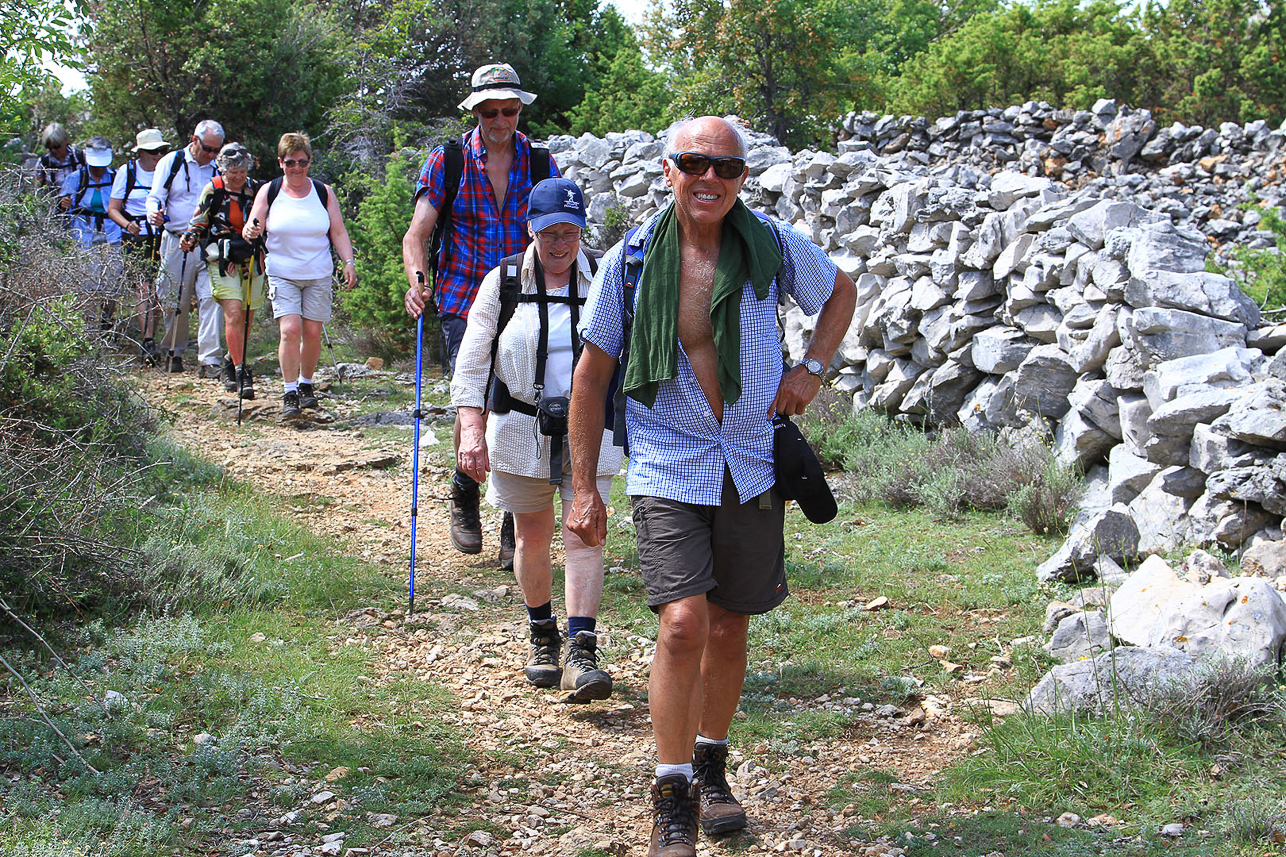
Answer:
(787, 66)
(377, 230)
(30, 31)
(627, 94)
(1054, 50)
(259, 67)
(1219, 60)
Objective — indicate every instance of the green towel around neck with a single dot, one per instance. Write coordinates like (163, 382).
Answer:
(748, 252)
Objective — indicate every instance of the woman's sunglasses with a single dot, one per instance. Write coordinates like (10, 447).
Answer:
(696, 164)
(493, 112)
(291, 162)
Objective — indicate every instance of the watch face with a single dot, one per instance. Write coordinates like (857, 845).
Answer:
(814, 366)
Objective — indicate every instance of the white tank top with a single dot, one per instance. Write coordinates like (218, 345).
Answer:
(298, 245)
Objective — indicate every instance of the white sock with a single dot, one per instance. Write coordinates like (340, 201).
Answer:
(304, 380)
(669, 770)
(292, 386)
(701, 739)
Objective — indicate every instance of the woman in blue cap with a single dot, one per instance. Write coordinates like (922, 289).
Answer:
(512, 381)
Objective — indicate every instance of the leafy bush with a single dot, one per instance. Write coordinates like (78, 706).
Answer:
(948, 473)
(1261, 272)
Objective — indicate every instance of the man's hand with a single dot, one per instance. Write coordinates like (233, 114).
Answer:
(588, 518)
(156, 218)
(798, 387)
(187, 242)
(64, 202)
(416, 299)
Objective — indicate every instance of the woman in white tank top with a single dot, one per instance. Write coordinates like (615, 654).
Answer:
(303, 224)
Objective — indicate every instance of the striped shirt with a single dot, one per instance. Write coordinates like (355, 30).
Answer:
(678, 449)
(480, 235)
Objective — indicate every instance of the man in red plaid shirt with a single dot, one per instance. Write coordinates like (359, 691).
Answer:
(488, 222)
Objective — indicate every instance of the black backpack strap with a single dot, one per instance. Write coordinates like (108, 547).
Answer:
(539, 165)
(631, 270)
(322, 193)
(498, 399)
(440, 244)
(274, 188)
(180, 162)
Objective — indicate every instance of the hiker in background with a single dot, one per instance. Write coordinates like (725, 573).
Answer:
(525, 362)
(235, 267)
(176, 186)
(471, 200)
(302, 221)
(140, 240)
(85, 194)
(59, 160)
(703, 379)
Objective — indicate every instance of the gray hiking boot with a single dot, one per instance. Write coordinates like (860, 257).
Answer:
(720, 811)
(542, 662)
(290, 407)
(675, 809)
(246, 383)
(307, 397)
(228, 374)
(581, 674)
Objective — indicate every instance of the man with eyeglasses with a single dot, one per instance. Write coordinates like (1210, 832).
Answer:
(487, 222)
(177, 182)
(703, 380)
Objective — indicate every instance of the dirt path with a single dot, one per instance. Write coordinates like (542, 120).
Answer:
(343, 482)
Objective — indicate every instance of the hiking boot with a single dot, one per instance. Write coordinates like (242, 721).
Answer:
(508, 546)
(229, 375)
(176, 364)
(208, 370)
(466, 524)
(720, 811)
(542, 663)
(246, 383)
(148, 348)
(307, 397)
(290, 406)
(581, 675)
(674, 817)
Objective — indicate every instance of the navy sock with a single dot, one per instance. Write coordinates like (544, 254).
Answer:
(576, 624)
(543, 613)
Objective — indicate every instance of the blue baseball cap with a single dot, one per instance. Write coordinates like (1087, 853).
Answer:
(555, 201)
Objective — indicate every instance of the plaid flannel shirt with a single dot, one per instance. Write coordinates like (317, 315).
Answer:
(480, 235)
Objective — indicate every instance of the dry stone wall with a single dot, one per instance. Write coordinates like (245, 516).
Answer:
(1036, 267)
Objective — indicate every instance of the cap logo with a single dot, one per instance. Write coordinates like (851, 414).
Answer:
(571, 200)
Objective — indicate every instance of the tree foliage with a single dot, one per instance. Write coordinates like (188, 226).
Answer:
(30, 31)
(259, 67)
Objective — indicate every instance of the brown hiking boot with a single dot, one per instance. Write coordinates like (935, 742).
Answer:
(720, 811)
(581, 674)
(466, 524)
(674, 817)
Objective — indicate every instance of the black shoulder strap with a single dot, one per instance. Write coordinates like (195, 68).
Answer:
(131, 178)
(539, 166)
(453, 172)
(179, 162)
(631, 269)
(322, 193)
(274, 188)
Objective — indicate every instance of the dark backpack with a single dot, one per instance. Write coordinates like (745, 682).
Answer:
(453, 172)
(631, 269)
(233, 249)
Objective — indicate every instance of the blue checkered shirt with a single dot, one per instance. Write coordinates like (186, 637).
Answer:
(678, 449)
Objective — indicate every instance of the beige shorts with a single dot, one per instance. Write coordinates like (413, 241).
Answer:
(523, 495)
(310, 299)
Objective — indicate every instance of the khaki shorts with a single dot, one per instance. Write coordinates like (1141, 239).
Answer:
(523, 495)
(233, 286)
(309, 299)
(733, 552)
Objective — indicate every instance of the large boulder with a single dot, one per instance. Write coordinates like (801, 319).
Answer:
(1111, 533)
(1126, 676)
(1196, 291)
(1240, 617)
(1143, 601)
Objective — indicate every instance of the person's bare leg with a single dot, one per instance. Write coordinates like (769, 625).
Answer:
(289, 346)
(310, 350)
(533, 534)
(674, 688)
(723, 671)
(583, 582)
(233, 328)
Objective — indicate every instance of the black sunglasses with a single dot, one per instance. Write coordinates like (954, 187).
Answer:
(696, 164)
(290, 162)
(493, 112)
(207, 149)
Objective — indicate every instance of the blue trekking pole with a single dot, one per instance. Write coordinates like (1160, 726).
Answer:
(415, 452)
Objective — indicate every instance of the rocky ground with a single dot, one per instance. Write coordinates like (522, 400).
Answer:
(346, 481)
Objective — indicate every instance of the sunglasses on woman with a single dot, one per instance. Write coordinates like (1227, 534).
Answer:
(493, 112)
(696, 164)
(291, 162)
